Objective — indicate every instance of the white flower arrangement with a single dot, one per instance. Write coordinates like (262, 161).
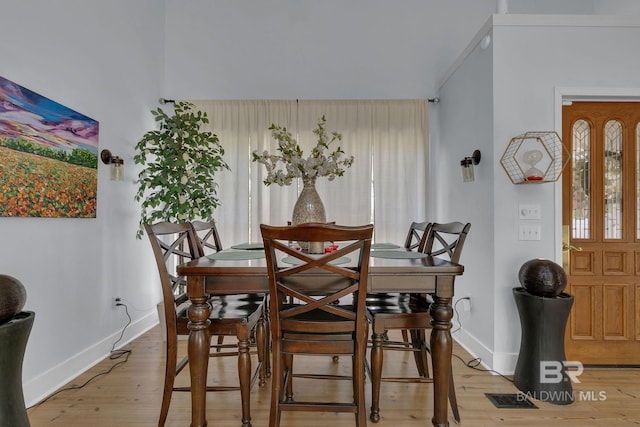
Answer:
(290, 163)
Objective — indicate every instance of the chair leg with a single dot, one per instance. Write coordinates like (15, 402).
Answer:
(244, 375)
(419, 344)
(453, 401)
(220, 341)
(262, 354)
(276, 386)
(405, 336)
(288, 374)
(358, 383)
(267, 341)
(376, 375)
(169, 379)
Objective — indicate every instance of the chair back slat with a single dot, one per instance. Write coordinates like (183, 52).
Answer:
(446, 239)
(208, 235)
(416, 235)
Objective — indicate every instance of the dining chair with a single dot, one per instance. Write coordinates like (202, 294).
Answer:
(173, 244)
(415, 240)
(317, 314)
(411, 312)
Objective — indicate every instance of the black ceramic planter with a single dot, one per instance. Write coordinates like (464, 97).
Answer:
(14, 335)
(543, 321)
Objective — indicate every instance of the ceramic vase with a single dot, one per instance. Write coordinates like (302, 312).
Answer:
(308, 207)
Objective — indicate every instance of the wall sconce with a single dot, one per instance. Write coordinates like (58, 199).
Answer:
(467, 166)
(117, 165)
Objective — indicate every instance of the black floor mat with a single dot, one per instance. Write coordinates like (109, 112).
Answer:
(511, 400)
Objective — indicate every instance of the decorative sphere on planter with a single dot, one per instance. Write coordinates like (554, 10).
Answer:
(12, 297)
(542, 277)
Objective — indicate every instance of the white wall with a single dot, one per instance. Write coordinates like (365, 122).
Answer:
(561, 51)
(308, 49)
(616, 7)
(465, 124)
(103, 59)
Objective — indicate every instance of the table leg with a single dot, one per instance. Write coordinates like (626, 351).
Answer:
(441, 348)
(244, 374)
(376, 374)
(198, 349)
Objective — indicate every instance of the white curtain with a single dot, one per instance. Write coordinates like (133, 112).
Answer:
(386, 185)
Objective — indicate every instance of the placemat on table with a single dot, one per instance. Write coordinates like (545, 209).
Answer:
(295, 261)
(236, 255)
(248, 246)
(398, 254)
(384, 246)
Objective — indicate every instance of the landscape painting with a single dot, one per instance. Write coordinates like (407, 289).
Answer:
(49, 153)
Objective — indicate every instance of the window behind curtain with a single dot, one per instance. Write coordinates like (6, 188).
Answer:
(386, 185)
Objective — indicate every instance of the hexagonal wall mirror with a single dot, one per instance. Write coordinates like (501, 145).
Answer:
(535, 157)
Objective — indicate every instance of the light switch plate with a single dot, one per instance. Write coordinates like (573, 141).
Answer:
(529, 211)
(529, 232)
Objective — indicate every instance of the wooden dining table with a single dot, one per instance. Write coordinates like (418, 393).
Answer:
(207, 276)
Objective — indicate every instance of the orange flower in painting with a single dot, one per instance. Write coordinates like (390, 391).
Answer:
(35, 186)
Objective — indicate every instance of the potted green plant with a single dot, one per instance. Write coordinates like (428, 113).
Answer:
(177, 182)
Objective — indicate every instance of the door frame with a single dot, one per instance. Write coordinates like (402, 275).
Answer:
(568, 94)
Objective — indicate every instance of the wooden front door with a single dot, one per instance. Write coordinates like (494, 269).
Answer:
(601, 210)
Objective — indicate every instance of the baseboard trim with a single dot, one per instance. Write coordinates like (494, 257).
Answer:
(500, 362)
(48, 382)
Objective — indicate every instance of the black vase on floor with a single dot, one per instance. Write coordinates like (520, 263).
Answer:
(14, 335)
(543, 321)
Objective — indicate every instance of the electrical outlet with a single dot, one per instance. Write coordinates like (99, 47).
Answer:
(117, 301)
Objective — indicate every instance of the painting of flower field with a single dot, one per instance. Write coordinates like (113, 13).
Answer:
(49, 153)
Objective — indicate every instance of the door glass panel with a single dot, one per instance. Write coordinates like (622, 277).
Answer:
(612, 180)
(581, 158)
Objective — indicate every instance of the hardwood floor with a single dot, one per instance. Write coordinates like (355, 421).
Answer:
(130, 396)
